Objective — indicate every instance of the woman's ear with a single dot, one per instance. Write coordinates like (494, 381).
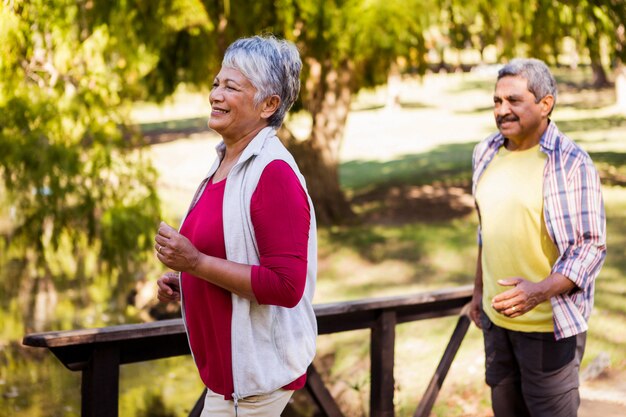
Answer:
(269, 106)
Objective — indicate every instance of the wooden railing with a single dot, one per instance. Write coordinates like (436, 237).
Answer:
(98, 353)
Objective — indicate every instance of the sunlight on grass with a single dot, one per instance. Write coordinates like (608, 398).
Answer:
(179, 387)
(183, 104)
(393, 260)
(414, 257)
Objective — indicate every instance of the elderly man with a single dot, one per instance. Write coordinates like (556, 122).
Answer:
(541, 246)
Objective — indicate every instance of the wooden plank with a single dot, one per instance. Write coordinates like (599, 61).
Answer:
(320, 395)
(76, 357)
(100, 383)
(363, 319)
(362, 311)
(382, 303)
(105, 334)
(158, 347)
(428, 400)
(382, 337)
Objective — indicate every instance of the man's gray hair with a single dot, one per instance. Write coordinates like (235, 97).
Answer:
(272, 66)
(541, 82)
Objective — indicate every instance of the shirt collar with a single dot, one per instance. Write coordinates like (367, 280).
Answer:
(547, 141)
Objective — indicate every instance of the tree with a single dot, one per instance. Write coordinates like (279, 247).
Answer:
(81, 195)
(345, 45)
(597, 22)
(539, 27)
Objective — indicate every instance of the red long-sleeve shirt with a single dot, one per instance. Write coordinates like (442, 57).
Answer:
(281, 218)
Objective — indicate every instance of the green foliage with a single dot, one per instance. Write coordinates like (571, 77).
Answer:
(183, 41)
(70, 169)
(537, 27)
(370, 34)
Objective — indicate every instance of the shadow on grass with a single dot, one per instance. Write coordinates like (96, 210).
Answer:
(438, 253)
(402, 104)
(483, 85)
(426, 187)
(477, 110)
(445, 164)
(407, 204)
(370, 107)
(595, 123)
(169, 130)
(611, 166)
(414, 105)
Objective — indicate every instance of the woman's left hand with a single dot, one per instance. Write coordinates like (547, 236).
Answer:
(175, 250)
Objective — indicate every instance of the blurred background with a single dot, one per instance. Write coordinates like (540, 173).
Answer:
(103, 111)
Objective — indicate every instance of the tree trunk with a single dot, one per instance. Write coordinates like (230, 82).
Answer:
(37, 296)
(599, 75)
(327, 97)
(593, 45)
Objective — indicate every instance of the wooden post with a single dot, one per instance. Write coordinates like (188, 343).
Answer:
(320, 395)
(428, 400)
(100, 382)
(382, 344)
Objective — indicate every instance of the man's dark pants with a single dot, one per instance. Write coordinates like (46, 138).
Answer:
(532, 374)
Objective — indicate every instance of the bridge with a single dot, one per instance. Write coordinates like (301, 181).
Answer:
(99, 353)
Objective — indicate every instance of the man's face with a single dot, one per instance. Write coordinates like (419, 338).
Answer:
(518, 117)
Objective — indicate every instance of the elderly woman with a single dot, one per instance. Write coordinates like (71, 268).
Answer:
(246, 251)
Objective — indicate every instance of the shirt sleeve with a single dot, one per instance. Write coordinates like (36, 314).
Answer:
(281, 219)
(585, 249)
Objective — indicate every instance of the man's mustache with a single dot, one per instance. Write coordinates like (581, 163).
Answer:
(508, 118)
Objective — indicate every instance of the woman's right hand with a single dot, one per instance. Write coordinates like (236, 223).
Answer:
(169, 287)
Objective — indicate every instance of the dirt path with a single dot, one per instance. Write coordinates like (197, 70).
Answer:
(593, 408)
(604, 396)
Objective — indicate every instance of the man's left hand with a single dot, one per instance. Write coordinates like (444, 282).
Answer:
(523, 297)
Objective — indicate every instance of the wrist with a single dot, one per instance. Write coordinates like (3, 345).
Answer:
(549, 287)
(194, 264)
(543, 290)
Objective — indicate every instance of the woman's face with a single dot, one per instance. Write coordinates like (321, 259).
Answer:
(233, 113)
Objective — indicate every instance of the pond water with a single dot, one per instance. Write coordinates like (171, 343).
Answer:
(33, 383)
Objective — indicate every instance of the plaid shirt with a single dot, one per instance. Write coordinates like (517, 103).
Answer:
(574, 215)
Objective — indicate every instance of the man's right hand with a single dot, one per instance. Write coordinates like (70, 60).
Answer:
(477, 298)
(475, 309)
(169, 287)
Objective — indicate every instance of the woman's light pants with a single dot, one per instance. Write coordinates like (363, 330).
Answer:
(269, 405)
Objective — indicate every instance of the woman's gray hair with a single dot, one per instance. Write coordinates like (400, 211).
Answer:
(541, 82)
(273, 67)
